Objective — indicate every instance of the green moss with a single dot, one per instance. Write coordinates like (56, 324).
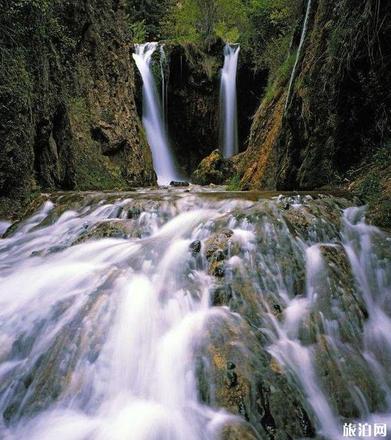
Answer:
(92, 170)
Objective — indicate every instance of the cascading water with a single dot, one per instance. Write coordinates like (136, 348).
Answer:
(183, 315)
(228, 101)
(152, 117)
(302, 39)
(163, 64)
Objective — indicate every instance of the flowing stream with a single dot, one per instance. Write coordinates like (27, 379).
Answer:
(228, 101)
(196, 314)
(153, 121)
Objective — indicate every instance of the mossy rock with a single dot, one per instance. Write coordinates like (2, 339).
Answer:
(337, 299)
(244, 379)
(341, 377)
(214, 169)
(240, 431)
(108, 229)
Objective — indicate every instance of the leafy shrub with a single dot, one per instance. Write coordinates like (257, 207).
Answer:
(234, 183)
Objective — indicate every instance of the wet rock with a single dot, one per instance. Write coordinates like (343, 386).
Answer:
(242, 379)
(306, 217)
(45, 377)
(217, 245)
(232, 378)
(346, 379)
(221, 295)
(213, 169)
(195, 247)
(107, 229)
(217, 269)
(337, 298)
(240, 431)
(344, 374)
(133, 213)
(217, 248)
(176, 183)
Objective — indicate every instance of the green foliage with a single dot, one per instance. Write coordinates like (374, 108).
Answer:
(200, 21)
(138, 31)
(32, 37)
(15, 83)
(234, 183)
(271, 25)
(382, 156)
(278, 80)
(262, 27)
(370, 187)
(144, 17)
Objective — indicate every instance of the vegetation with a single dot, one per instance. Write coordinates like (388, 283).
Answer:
(26, 28)
(278, 79)
(262, 27)
(234, 183)
(144, 17)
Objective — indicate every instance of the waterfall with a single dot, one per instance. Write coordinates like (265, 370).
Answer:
(228, 101)
(173, 315)
(163, 63)
(302, 39)
(152, 116)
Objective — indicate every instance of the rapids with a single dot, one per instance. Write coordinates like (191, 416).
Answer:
(170, 314)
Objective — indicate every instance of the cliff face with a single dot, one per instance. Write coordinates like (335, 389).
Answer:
(68, 116)
(338, 114)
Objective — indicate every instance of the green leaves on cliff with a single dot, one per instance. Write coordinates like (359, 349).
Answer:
(200, 21)
(144, 17)
(31, 37)
(262, 27)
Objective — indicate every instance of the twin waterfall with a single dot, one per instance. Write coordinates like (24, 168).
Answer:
(228, 101)
(154, 109)
(153, 120)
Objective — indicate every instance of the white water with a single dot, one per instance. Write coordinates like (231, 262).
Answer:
(153, 122)
(299, 50)
(163, 62)
(134, 313)
(228, 101)
(100, 340)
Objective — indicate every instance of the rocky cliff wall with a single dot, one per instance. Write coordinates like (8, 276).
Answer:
(68, 116)
(337, 119)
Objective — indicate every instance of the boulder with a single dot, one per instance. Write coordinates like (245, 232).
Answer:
(214, 169)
